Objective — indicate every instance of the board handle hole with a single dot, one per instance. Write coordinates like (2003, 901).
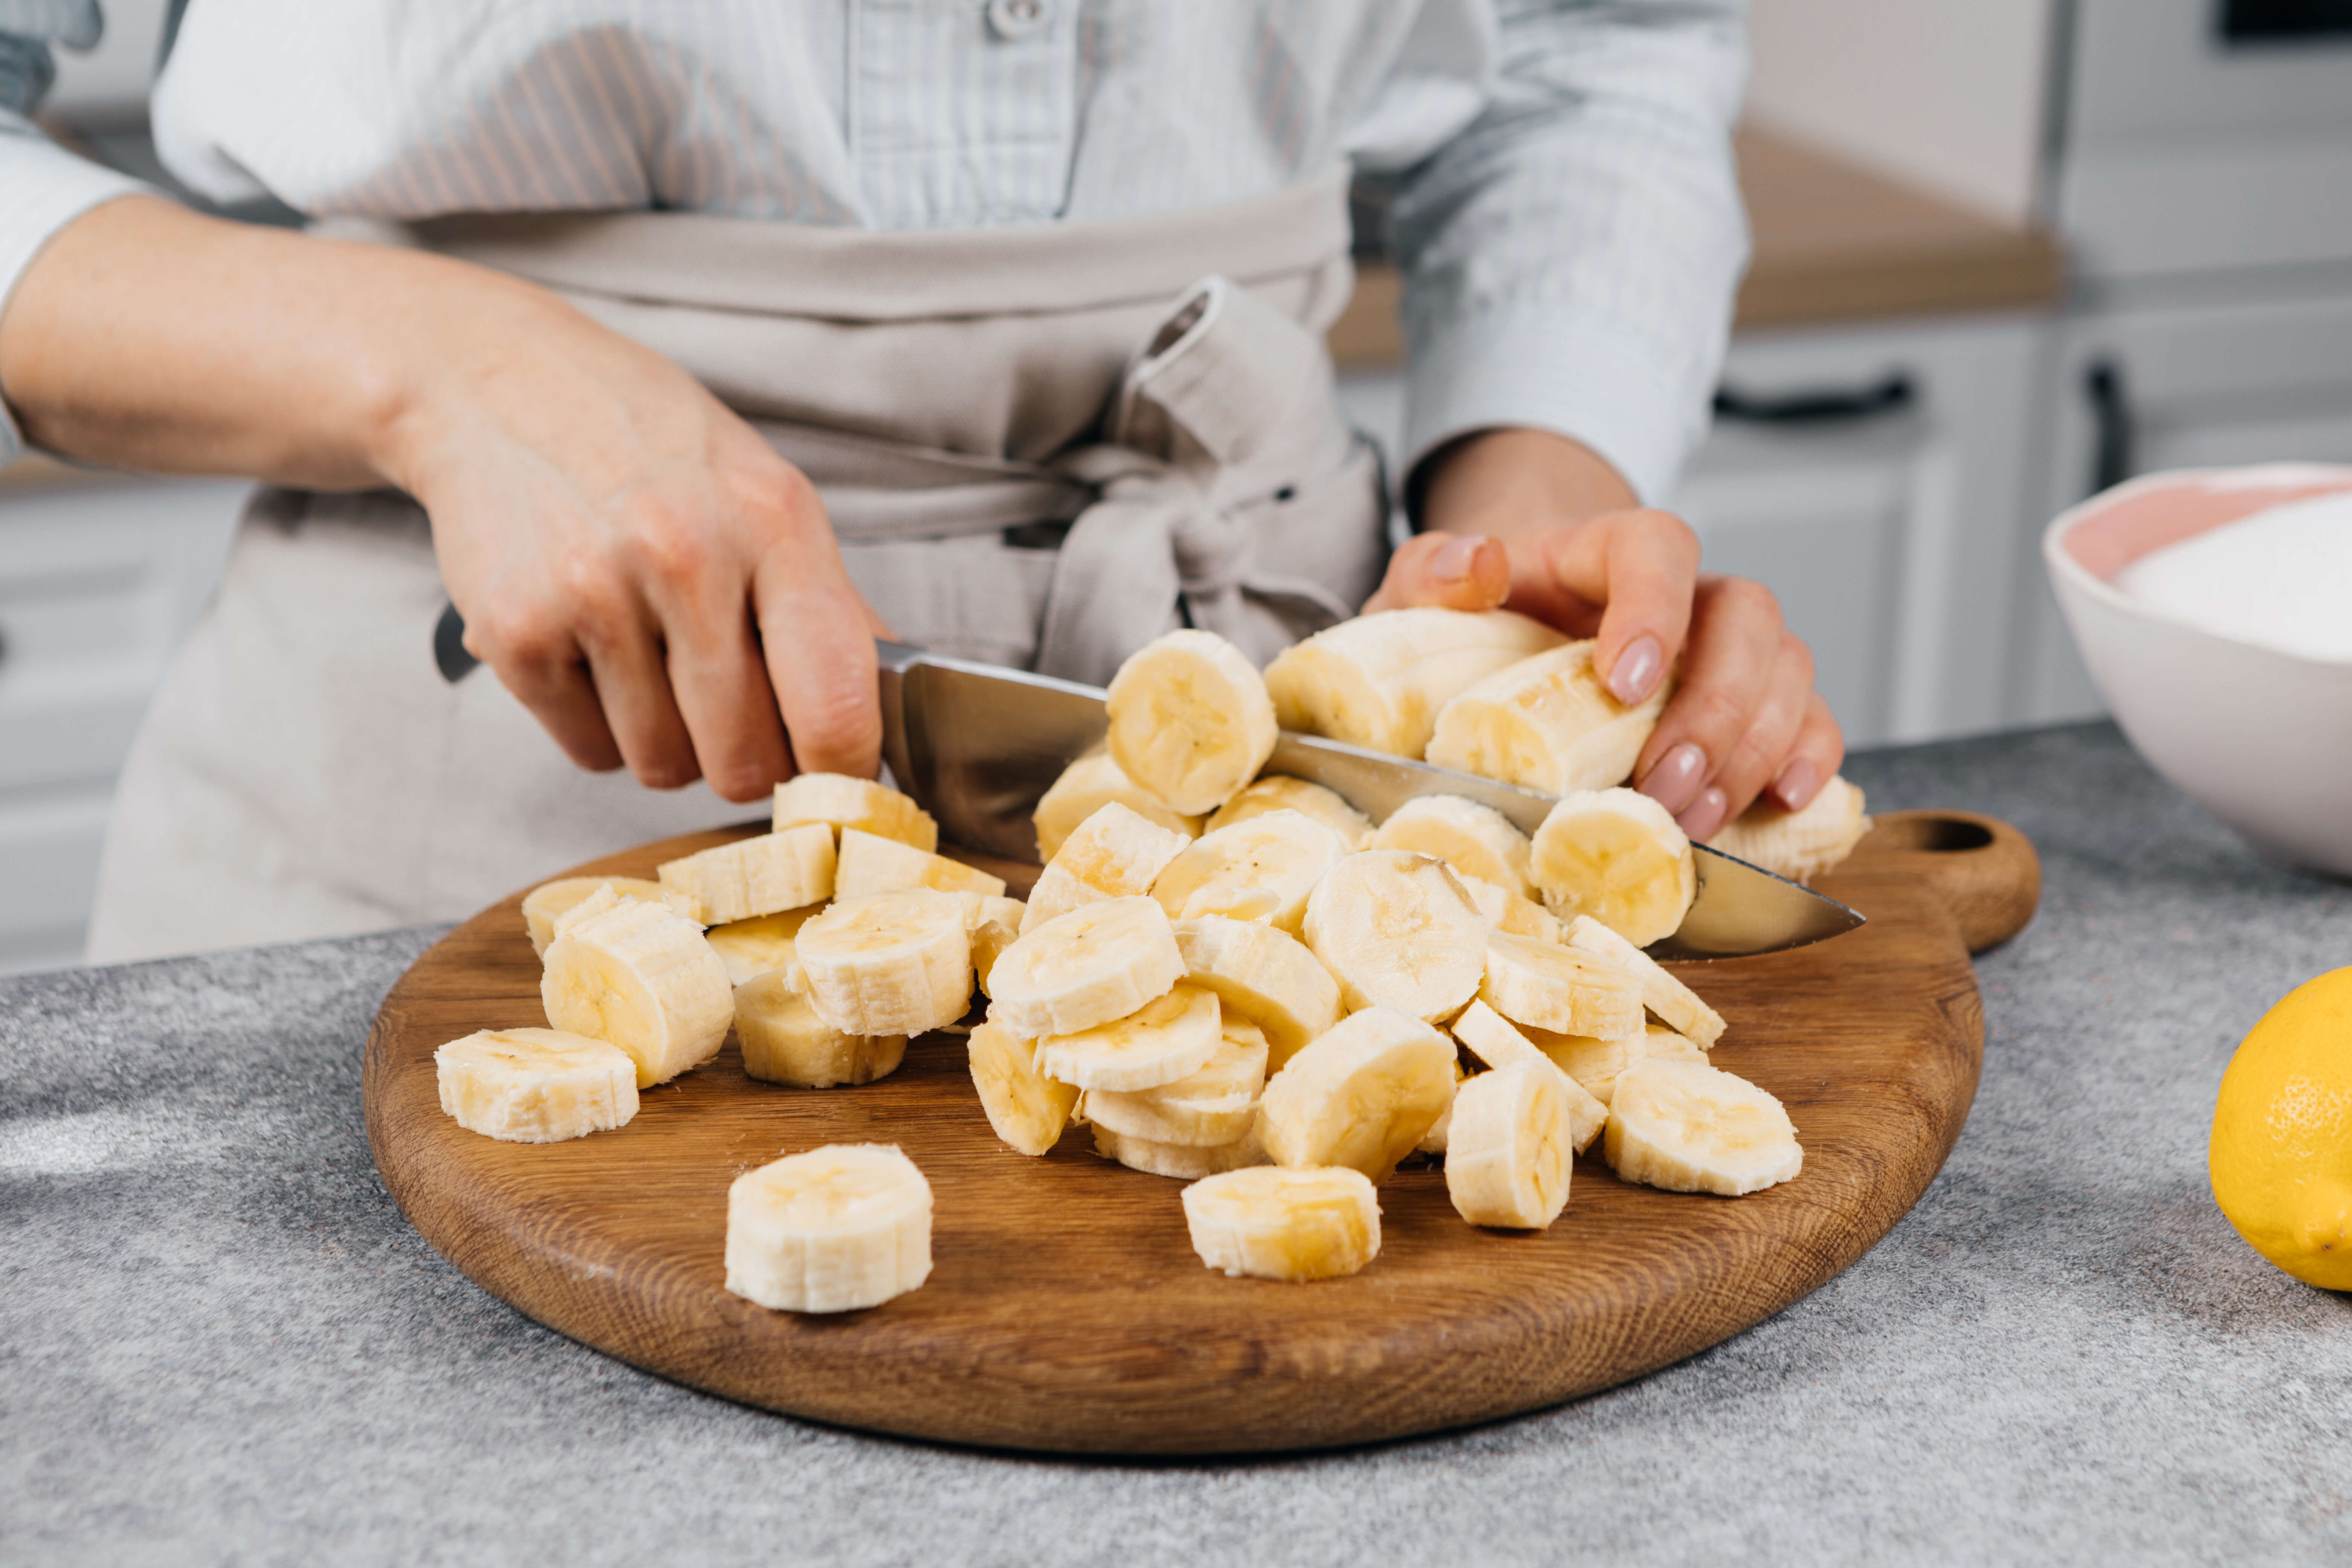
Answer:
(1935, 835)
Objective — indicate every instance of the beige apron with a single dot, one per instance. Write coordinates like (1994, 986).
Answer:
(1038, 446)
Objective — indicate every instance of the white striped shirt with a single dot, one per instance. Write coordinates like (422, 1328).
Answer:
(1559, 175)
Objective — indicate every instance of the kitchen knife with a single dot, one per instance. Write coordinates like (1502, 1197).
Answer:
(977, 745)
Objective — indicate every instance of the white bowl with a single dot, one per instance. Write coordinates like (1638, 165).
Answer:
(2259, 737)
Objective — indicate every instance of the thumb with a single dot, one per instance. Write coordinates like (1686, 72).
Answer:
(1453, 570)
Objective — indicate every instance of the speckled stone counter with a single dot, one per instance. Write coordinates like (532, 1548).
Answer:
(220, 1342)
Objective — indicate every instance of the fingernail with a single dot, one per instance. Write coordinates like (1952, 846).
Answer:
(1796, 784)
(1675, 780)
(1706, 815)
(1458, 559)
(1636, 670)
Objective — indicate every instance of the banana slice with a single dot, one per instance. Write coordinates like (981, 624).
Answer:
(785, 1042)
(1493, 1040)
(1598, 1063)
(1098, 962)
(639, 976)
(1284, 853)
(1026, 1108)
(1797, 845)
(1475, 840)
(1506, 911)
(1548, 723)
(544, 903)
(1662, 994)
(1214, 1106)
(1433, 1140)
(841, 1227)
(841, 801)
(870, 863)
(1169, 1037)
(1509, 1157)
(1691, 1128)
(1397, 930)
(992, 922)
(535, 1086)
(1116, 853)
(888, 964)
(760, 876)
(1273, 1224)
(1378, 680)
(1264, 975)
(1190, 720)
(1184, 1161)
(1361, 1096)
(761, 945)
(1086, 787)
(1275, 793)
(1617, 856)
(1548, 986)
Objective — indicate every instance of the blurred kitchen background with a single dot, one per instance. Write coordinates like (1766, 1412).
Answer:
(2007, 252)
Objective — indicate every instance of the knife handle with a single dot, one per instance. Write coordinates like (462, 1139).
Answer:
(1985, 872)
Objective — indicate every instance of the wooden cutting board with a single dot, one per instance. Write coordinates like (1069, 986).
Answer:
(1065, 1310)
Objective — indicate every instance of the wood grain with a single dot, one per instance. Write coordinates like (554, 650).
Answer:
(1984, 872)
(1066, 1310)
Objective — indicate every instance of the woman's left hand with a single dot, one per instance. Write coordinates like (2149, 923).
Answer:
(1535, 522)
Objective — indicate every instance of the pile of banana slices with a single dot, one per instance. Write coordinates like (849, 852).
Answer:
(1239, 982)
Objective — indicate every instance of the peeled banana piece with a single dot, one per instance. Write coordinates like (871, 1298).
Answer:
(640, 976)
(1548, 986)
(1662, 994)
(1169, 1037)
(1475, 840)
(1598, 1063)
(1190, 720)
(1618, 855)
(1361, 1096)
(1507, 1155)
(1493, 1040)
(761, 945)
(1216, 1105)
(1264, 974)
(1797, 845)
(1028, 1110)
(535, 1086)
(1086, 787)
(1276, 1224)
(833, 1230)
(1116, 853)
(841, 801)
(1277, 793)
(1183, 1162)
(1433, 1140)
(1100, 962)
(1691, 1128)
(1548, 723)
(1282, 854)
(545, 904)
(1506, 911)
(784, 1041)
(888, 964)
(1397, 930)
(758, 876)
(1378, 680)
(869, 863)
(992, 922)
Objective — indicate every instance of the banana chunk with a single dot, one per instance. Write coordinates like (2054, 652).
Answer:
(535, 1086)
(1617, 856)
(1277, 793)
(1507, 911)
(870, 863)
(1028, 1110)
(1433, 1140)
(1190, 720)
(1086, 787)
(1549, 986)
(1274, 1224)
(1284, 853)
(1169, 1037)
(1217, 1105)
(1378, 680)
(1397, 930)
(888, 964)
(1363, 1096)
(1183, 1162)
(1598, 1063)
(1116, 853)
(759, 876)
(1691, 1128)
(761, 945)
(842, 801)
(992, 922)
(1098, 962)
(544, 904)
(640, 976)
(1675, 1002)
(1548, 723)
(1797, 845)
(1264, 974)
(785, 1042)
(835, 1229)
(1475, 840)
(1508, 1155)
(1493, 1040)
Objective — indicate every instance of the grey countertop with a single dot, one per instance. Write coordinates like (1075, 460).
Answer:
(219, 1340)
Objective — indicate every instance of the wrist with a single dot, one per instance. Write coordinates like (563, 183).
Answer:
(1511, 480)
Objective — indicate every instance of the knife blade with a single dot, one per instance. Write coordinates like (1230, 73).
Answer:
(977, 745)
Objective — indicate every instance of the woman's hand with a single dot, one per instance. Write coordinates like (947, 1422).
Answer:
(1539, 524)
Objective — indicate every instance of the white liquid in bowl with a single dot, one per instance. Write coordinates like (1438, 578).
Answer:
(2281, 578)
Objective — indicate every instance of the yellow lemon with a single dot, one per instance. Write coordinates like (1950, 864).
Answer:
(2280, 1157)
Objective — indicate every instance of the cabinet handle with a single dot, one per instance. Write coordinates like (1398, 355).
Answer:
(1819, 407)
(2111, 417)
(450, 646)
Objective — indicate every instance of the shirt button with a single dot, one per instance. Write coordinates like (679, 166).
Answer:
(1016, 19)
